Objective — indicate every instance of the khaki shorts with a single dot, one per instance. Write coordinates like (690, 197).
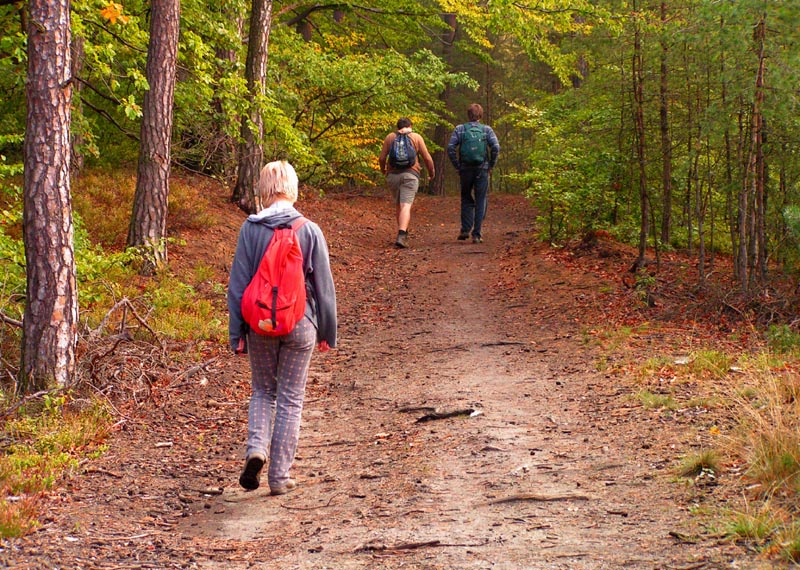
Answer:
(403, 185)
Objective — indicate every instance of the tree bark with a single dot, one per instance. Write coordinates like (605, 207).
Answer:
(666, 141)
(76, 161)
(51, 314)
(251, 153)
(148, 228)
(441, 135)
(638, 98)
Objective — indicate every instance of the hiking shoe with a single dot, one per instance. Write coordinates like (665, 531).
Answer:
(462, 236)
(477, 239)
(252, 469)
(402, 240)
(290, 485)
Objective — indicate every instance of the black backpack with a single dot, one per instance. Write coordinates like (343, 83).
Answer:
(402, 153)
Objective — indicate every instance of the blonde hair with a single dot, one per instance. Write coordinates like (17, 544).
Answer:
(277, 180)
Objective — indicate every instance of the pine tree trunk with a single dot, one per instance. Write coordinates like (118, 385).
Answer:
(441, 135)
(76, 161)
(251, 153)
(639, 126)
(51, 313)
(148, 228)
(666, 142)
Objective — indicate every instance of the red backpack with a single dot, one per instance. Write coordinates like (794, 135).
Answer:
(275, 299)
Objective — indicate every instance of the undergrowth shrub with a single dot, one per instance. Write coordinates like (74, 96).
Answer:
(783, 339)
(768, 439)
(46, 439)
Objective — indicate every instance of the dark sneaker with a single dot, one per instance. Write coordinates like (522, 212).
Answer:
(252, 469)
(477, 239)
(402, 240)
(462, 236)
(290, 484)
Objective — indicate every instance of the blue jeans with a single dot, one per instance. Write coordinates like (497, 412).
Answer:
(474, 199)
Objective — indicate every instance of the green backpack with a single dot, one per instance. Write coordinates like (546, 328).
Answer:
(472, 150)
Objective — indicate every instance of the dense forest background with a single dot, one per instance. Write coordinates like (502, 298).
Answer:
(668, 124)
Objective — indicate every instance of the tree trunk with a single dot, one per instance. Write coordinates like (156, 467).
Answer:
(639, 126)
(251, 153)
(441, 135)
(729, 186)
(666, 142)
(51, 313)
(148, 227)
(752, 199)
(689, 154)
(226, 156)
(741, 218)
(76, 159)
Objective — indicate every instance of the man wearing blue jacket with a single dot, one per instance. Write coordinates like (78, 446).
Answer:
(473, 149)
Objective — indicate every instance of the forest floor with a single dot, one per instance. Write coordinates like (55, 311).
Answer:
(559, 466)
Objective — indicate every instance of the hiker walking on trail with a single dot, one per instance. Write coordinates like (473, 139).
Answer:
(279, 364)
(399, 161)
(473, 149)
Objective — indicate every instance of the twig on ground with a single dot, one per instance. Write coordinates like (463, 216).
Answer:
(445, 415)
(502, 343)
(331, 444)
(118, 538)
(11, 409)
(411, 409)
(103, 472)
(402, 546)
(539, 497)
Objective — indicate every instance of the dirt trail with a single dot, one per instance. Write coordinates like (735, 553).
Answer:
(556, 469)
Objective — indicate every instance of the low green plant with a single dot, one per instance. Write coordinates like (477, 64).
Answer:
(704, 463)
(709, 363)
(783, 339)
(180, 313)
(757, 527)
(46, 440)
(650, 400)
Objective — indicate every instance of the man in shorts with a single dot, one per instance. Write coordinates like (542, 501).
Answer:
(404, 180)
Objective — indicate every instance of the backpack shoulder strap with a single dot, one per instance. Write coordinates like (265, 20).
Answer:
(299, 223)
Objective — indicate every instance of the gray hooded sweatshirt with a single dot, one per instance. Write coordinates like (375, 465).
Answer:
(254, 235)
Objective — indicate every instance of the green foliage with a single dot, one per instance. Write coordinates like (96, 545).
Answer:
(757, 527)
(45, 441)
(703, 464)
(649, 400)
(178, 312)
(710, 363)
(783, 339)
(570, 177)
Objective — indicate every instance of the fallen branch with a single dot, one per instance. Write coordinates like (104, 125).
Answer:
(11, 409)
(103, 472)
(539, 497)
(126, 305)
(445, 415)
(416, 545)
(8, 320)
(402, 546)
(411, 409)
